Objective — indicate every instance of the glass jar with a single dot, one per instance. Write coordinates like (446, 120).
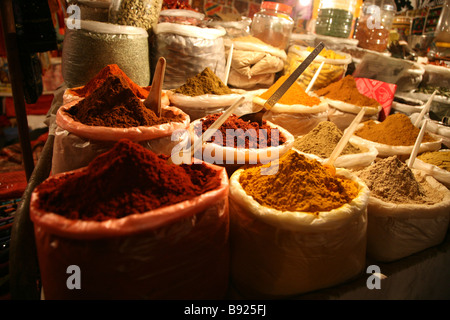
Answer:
(273, 24)
(442, 39)
(335, 18)
(373, 27)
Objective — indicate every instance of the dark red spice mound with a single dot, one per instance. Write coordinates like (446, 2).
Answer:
(125, 180)
(110, 70)
(114, 104)
(242, 132)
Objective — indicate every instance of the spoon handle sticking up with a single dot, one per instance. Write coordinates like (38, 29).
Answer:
(153, 100)
(416, 147)
(293, 77)
(212, 129)
(343, 142)
(314, 78)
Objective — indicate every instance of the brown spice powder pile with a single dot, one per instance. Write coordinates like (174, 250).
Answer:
(206, 82)
(396, 130)
(115, 105)
(346, 90)
(322, 140)
(391, 180)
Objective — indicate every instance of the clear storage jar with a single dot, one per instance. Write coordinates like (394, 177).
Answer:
(273, 24)
(335, 18)
(374, 25)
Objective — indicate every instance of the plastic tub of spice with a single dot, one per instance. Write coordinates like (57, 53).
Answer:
(334, 68)
(296, 111)
(345, 102)
(103, 44)
(135, 226)
(395, 135)
(238, 142)
(408, 211)
(320, 142)
(203, 94)
(92, 125)
(436, 164)
(290, 233)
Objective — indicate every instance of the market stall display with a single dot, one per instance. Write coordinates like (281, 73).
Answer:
(135, 225)
(304, 220)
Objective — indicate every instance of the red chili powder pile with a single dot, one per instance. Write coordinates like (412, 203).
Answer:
(110, 70)
(114, 104)
(125, 180)
(250, 133)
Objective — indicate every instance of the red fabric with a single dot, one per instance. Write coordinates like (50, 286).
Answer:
(381, 91)
(41, 107)
(12, 184)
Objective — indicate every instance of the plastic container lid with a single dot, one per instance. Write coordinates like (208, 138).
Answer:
(276, 6)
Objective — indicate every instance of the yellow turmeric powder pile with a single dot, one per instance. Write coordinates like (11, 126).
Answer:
(300, 184)
(294, 95)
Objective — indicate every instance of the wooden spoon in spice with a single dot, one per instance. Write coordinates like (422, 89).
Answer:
(212, 129)
(153, 100)
(329, 164)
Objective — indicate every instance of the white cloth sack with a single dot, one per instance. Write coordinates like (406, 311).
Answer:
(396, 231)
(276, 254)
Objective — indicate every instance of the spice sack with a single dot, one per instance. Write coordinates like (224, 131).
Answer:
(408, 211)
(96, 44)
(254, 63)
(188, 50)
(76, 144)
(289, 245)
(135, 227)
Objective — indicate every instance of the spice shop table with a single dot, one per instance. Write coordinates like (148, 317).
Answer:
(422, 276)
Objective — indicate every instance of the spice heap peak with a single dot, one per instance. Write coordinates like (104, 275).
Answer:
(128, 179)
(301, 184)
(206, 82)
(345, 90)
(105, 73)
(391, 180)
(114, 104)
(295, 95)
(322, 140)
(396, 130)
